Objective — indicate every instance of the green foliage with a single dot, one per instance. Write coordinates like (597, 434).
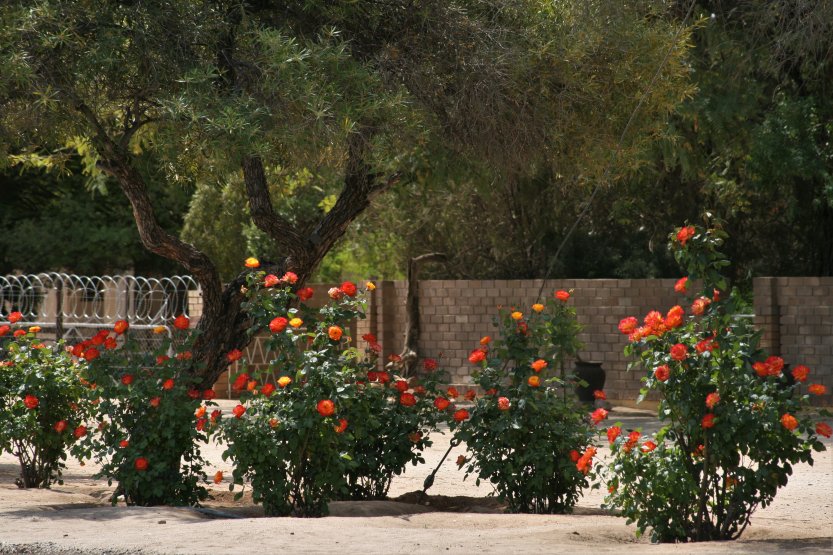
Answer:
(526, 433)
(42, 405)
(334, 427)
(149, 427)
(734, 420)
(37, 208)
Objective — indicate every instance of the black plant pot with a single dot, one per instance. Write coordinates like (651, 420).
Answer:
(594, 375)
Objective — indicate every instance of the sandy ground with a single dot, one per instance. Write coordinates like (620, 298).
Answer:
(76, 518)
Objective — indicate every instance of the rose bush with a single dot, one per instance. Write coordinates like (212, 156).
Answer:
(42, 404)
(332, 426)
(734, 420)
(527, 435)
(150, 417)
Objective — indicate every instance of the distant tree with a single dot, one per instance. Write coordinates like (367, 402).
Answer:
(204, 92)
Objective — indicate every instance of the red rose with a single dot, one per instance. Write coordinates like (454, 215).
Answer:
(441, 403)
(684, 234)
(15, 317)
(585, 462)
(80, 432)
(60, 426)
(707, 421)
(278, 324)
(574, 455)
(503, 403)
(238, 411)
(124, 443)
(234, 354)
(342, 425)
(162, 359)
(4, 329)
(31, 402)
(599, 394)
(348, 288)
(633, 438)
(181, 322)
(612, 433)
(326, 407)
(429, 364)
(369, 337)
(267, 389)
(127, 379)
(194, 394)
(120, 326)
(19, 333)
(817, 389)
(271, 280)
(598, 415)
(681, 285)
(823, 429)
(401, 386)
(305, 294)
(562, 295)
(662, 373)
(154, 402)
(477, 356)
(452, 392)
(141, 464)
(407, 400)
(91, 354)
(290, 278)
(712, 399)
(470, 395)
(209, 394)
(679, 352)
(240, 382)
(800, 373)
(648, 446)
(461, 415)
(628, 325)
(168, 384)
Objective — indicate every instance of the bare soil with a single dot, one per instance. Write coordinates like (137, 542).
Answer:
(457, 516)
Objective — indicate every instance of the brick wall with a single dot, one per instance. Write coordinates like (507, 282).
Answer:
(794, 314)
(455, 314)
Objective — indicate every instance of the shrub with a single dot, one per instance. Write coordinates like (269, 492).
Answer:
(733, 419)
(150, 416)
(331, 426)
(42, 407)
(527, 435)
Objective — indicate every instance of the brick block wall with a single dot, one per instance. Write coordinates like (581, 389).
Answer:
(795, 315)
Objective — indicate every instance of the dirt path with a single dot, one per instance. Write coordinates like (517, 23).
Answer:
(75, 518)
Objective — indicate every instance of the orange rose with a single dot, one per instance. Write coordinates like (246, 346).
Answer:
(539, 365)
(538, 307)
(335, 332)
(252, 262)
(681, 285)
(533, 381)
(284, 381)
(218, 477)
(517, 315)
(789, 421)
(817, 389)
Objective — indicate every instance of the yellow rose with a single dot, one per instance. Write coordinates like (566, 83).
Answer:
(517, 315)
(538, 307)
(296, 322)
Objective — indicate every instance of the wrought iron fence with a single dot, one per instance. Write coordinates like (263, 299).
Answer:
(75, 307)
